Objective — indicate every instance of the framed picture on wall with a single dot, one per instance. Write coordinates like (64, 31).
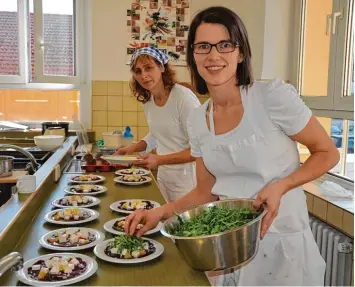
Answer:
(159, 23)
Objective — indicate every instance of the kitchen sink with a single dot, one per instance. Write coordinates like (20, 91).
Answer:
(20, 162)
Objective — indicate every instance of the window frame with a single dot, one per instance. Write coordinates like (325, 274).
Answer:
(40, 76)
(334, 104)
(342, 102)
(22, 47)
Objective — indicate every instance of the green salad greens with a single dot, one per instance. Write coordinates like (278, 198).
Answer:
(214, 220)
(130, 243)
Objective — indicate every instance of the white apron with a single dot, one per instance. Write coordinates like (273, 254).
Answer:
(175, 182)
(244, 161)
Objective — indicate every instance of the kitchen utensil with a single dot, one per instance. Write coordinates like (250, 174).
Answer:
(46, 125)
(6, 165)
(55, 131)
(221, 251)
(48, 143)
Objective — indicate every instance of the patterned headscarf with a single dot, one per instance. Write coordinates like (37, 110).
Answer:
(151, 51)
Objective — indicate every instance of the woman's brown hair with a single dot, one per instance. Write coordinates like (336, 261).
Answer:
(169, 79)
(237, 33)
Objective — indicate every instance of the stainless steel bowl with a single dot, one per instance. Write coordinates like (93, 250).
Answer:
(6, 165)
(221, 251)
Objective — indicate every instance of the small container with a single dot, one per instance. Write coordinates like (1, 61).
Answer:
(127, 137)
(6, 165)
(112, 140)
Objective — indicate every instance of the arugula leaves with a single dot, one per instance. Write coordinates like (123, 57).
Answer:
(214, 220)
(130, 243)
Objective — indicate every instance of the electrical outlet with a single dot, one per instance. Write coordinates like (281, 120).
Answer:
(57, 173)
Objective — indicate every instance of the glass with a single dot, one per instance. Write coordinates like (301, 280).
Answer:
(9, 38)
(39, 105)
(222, 47)
(59, 37)
(316, 33)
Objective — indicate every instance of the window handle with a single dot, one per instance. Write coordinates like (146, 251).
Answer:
(336, 15)
(43, 45)
(329, 19)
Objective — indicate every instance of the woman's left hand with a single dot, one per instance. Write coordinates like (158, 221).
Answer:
(271, 196)
(148, 161)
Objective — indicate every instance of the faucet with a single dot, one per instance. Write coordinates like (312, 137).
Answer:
(13, 260)
(33, 163)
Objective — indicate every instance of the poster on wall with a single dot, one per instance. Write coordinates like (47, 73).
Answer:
(160, 23)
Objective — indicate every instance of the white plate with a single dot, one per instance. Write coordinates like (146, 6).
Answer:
(95, 201)
(48, 217)
(101, 179)
(99, 251)
(142, 170)
(23, 276)
(114, 205)
(99, 238)
(147, 179)
(102, 189)
(108, 227)
(120, 159)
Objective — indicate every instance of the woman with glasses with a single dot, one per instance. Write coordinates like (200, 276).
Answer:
(244, 141)
(166, 106)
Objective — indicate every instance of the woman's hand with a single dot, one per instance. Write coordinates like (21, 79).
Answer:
(271, 196)
(125, 150)
(149, 218)
(148, 161)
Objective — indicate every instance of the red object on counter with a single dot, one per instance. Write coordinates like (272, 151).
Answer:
(100, 166)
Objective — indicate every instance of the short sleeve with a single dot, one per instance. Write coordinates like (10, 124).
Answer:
(187, 104)
(193, 138)
(151, 142)
(286, 108)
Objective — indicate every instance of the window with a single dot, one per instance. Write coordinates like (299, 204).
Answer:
(9, 49)
(42, 60)
(342, 133)
(326, 56)
(12, 67)
(51, 29)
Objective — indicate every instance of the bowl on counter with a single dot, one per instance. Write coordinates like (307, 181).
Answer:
(221, 251)
(48, 142)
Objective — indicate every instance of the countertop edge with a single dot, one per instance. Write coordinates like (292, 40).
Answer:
(41, 176)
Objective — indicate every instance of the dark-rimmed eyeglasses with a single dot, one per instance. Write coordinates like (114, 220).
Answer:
(222, 47)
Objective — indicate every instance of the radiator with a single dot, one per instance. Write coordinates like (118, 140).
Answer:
(336, 250)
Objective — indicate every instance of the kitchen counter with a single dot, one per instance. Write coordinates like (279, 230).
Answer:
(169, 269)
(19, 203)
(22, 224)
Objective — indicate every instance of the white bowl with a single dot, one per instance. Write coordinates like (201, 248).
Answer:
(48, 142)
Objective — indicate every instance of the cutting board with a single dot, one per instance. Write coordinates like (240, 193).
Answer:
(13, 178)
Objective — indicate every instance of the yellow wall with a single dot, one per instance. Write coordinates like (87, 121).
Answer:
(114, 108)
(316, 48)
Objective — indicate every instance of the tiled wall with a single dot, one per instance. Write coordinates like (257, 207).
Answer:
(334, 215)
(114, 107)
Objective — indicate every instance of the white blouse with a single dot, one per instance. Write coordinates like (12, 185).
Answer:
(168, 124)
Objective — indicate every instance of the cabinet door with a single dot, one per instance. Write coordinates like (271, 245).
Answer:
(318, 50)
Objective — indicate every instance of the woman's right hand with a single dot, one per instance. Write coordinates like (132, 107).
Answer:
(149, 218)
(125, 150)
